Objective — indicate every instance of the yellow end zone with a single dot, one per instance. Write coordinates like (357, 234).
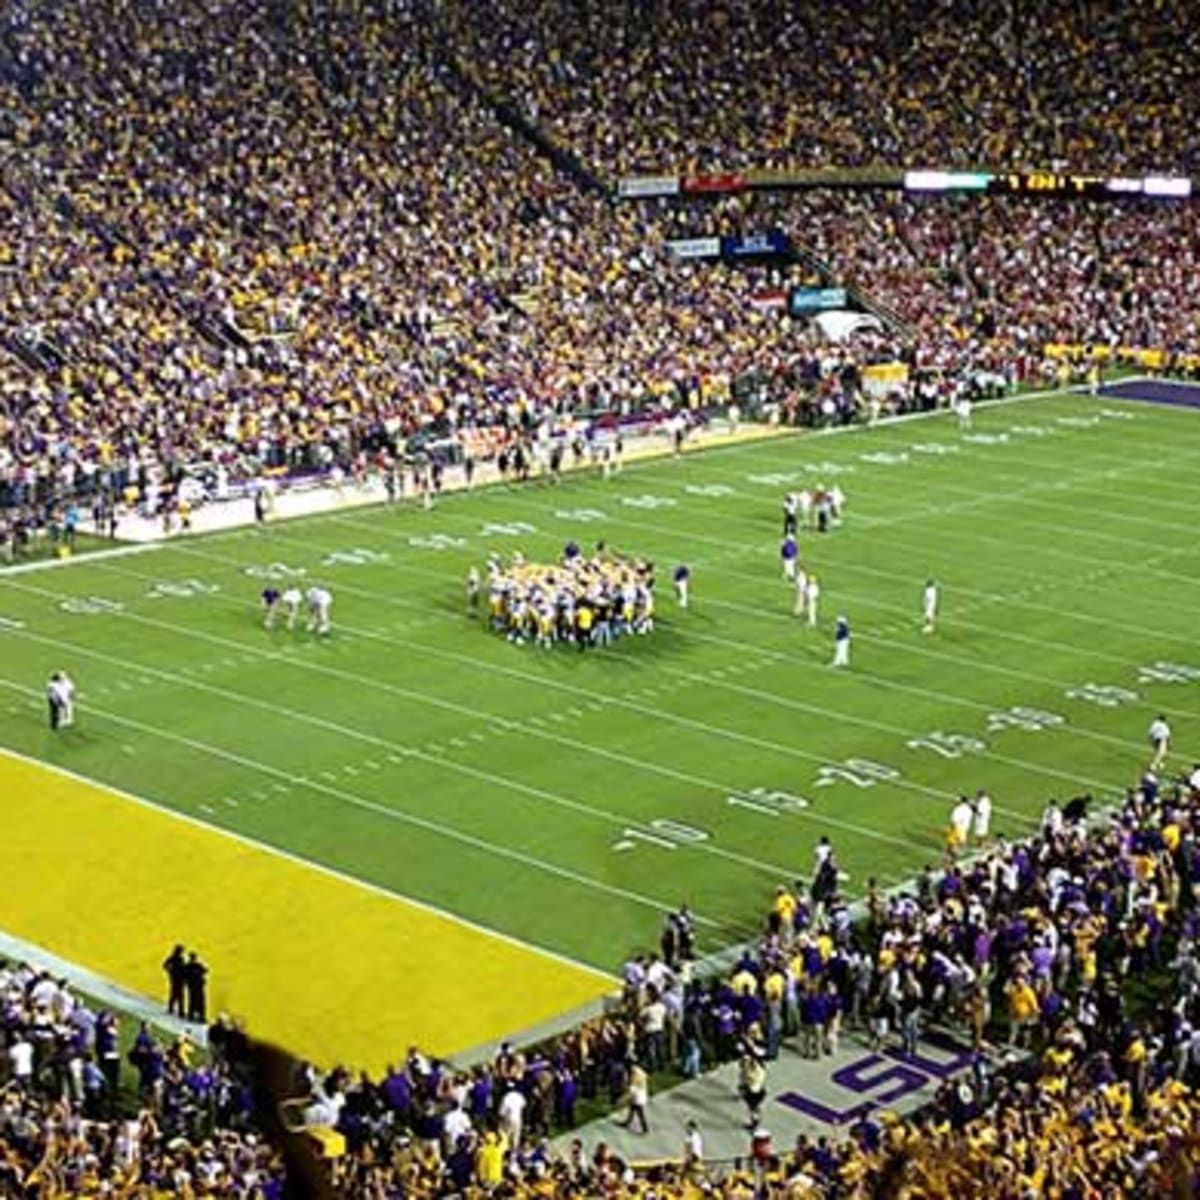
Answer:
(332, 969)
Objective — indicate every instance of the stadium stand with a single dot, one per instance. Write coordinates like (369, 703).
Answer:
(1054, 928)
(253, 238)
(787, 85)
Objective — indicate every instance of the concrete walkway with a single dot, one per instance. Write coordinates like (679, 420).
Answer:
(817, 1097)
(105, 991)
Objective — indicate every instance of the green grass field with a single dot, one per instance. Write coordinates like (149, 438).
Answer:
(569, 799)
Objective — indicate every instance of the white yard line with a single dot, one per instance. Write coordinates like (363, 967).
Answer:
(511, 726)
(994, 458)
(905, 517)
(275, 851)
(383, 810)
(90, 556)
(883, 727)
(1075, 730)
(952, 698)
(977, 664)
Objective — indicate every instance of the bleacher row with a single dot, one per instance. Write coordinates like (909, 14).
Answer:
(278, 236)
(1068, 961)
(281, 238)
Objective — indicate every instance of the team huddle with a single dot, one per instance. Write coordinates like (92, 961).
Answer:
(317, 600)
(585, 600)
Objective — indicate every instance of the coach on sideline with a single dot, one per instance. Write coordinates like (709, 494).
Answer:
(60, 693)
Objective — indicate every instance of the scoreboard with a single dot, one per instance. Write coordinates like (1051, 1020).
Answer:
(1048, 183)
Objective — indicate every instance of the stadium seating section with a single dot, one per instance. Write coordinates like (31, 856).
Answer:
(284, 236)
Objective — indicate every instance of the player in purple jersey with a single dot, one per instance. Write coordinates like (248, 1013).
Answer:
(270, 601)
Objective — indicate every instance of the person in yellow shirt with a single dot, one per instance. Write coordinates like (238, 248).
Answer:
(744, 983)
(1022, 1010)
(489, 1159)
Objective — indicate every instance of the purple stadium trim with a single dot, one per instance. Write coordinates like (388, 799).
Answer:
(1155, 391)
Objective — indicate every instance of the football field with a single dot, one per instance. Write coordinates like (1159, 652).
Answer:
(567, 800)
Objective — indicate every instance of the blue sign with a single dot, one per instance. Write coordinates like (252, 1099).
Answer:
(775, 242)
(806, 300)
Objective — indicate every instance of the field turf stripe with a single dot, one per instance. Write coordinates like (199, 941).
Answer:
(330, 967)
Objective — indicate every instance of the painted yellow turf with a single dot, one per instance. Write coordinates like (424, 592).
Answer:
(334, 971)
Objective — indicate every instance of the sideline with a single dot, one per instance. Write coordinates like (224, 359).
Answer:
(50, 564)
(226, 516)
(99, 987)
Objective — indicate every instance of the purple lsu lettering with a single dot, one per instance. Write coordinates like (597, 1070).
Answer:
(885, 1078)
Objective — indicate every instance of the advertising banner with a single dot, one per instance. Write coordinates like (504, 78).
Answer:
(750, 244)
(698, 247)
(715, 184)
(641, 186)
(805, 301)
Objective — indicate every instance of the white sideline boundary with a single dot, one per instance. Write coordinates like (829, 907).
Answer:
(231, 515)
(288, 856)
(50, 564)
(99, 987)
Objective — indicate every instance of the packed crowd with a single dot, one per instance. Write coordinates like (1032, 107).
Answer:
(984, 284)
(277, 244)
(988, 283)
(86, 1110)
(1027, 945)
(790, 85)
(241, 243)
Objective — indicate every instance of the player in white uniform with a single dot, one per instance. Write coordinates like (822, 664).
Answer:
(812, 597)
(292, 599)
(983, 815)
(66, 698)
(804, 500)
(1160, 741)
(960, 824)
(962, 409)
(320, 601)
(801, 591)
(931, 606)
(837, 503)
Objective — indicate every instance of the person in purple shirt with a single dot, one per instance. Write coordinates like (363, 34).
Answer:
(271, 597)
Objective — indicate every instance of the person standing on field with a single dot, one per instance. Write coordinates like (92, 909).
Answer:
(789, 554)
(801, 592)
(60, 695)
(752, 1084)
(639, 1097)
(1160, 741)
(983, 816)
(841, 643)
(812, 598)
(195, 980)
(930, 604)
(175, 965)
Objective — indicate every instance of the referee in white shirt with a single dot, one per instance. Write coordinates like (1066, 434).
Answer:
(1160, 741)
(60, 695)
